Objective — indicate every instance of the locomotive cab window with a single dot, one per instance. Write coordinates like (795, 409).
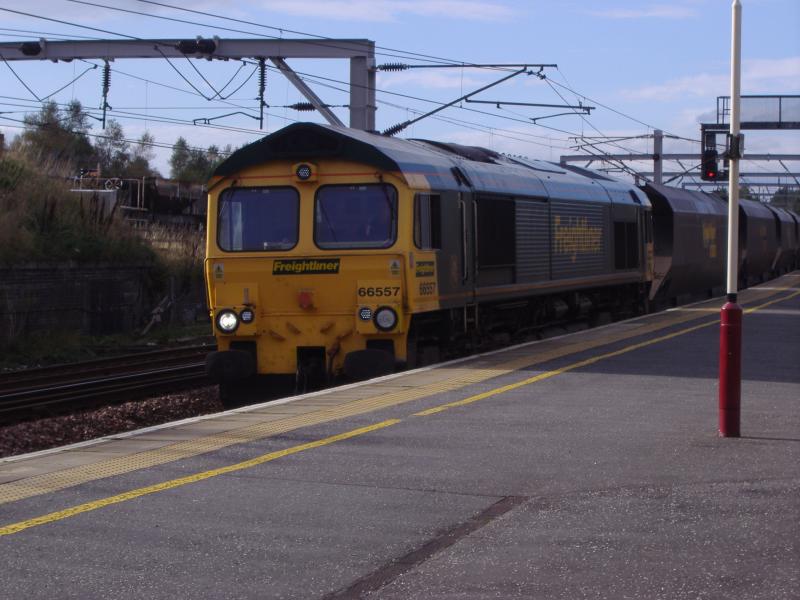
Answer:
(355, 216)
(427, 222)
(258, 219)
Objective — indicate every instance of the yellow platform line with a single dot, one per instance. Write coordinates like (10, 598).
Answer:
(181, 481)
(174, 483)
(585, 363)
(453, 379)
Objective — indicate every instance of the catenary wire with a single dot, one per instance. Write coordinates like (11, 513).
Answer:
(123, 114)
(471, 125)
(459, 63)
(252, 33)
(222, 17)
(61, 22)
(105, 137)
(240, 31)
(83, 37)
(43, 98)
(429, 57)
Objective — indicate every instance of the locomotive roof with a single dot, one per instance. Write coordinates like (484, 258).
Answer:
(444, 166)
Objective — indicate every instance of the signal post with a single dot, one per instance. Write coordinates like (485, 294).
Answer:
(730, 336)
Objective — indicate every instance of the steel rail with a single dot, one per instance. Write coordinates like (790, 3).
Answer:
(69, 388)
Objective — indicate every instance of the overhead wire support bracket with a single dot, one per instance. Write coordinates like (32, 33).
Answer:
(405, 67)
(207, 120)
(536, 104)
(572, 108)
(573, 112)
(401, 126)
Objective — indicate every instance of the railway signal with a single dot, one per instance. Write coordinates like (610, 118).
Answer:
(709, 167)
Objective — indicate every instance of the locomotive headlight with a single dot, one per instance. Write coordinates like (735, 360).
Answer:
(385, 318)
(365, 313)
(247, 315)
(227, 321)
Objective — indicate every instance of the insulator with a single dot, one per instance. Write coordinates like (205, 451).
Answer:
(106, 78)
(395, 129)
(392, 67)
(262, 78)
(302, 106)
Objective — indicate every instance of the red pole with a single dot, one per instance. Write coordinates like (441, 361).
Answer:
(730, 368)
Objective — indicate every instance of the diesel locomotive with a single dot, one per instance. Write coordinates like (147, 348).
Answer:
(335, 251)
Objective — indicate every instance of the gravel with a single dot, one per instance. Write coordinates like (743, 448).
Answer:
(51, 432)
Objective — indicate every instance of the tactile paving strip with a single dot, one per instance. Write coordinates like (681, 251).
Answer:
(451, 378)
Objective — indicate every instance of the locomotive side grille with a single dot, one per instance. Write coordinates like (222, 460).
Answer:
(533, 241)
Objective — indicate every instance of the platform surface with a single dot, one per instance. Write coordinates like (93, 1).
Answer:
(584, 466)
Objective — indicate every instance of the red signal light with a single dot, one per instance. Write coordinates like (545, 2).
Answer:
(710, 167)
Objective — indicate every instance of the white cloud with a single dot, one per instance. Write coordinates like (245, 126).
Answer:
(772, 142)
(391, 10)
(759, 76)
(767, 69)
(657, 11)
(703, 85)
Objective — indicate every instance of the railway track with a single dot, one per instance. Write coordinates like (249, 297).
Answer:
(66, 388)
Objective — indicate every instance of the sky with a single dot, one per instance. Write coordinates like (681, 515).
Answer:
(643, 65)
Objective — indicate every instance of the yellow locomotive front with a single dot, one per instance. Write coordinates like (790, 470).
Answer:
(307, 268)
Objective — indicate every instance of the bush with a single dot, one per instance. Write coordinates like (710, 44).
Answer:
(45, 222)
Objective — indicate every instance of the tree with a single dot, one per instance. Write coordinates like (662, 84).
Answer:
(787, 197)
(141, 155)
(194, 164)
(179, 159)
(58, 135)
(112, 151)
(744, 193)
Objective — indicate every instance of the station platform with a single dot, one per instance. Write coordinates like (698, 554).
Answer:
(583, 466)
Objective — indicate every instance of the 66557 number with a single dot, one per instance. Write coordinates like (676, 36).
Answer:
(378, 292)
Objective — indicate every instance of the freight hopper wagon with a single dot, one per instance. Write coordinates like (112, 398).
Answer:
(340, 251)
(690, 231)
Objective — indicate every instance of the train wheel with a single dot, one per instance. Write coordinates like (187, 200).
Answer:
(429, 355)
(240, 393)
